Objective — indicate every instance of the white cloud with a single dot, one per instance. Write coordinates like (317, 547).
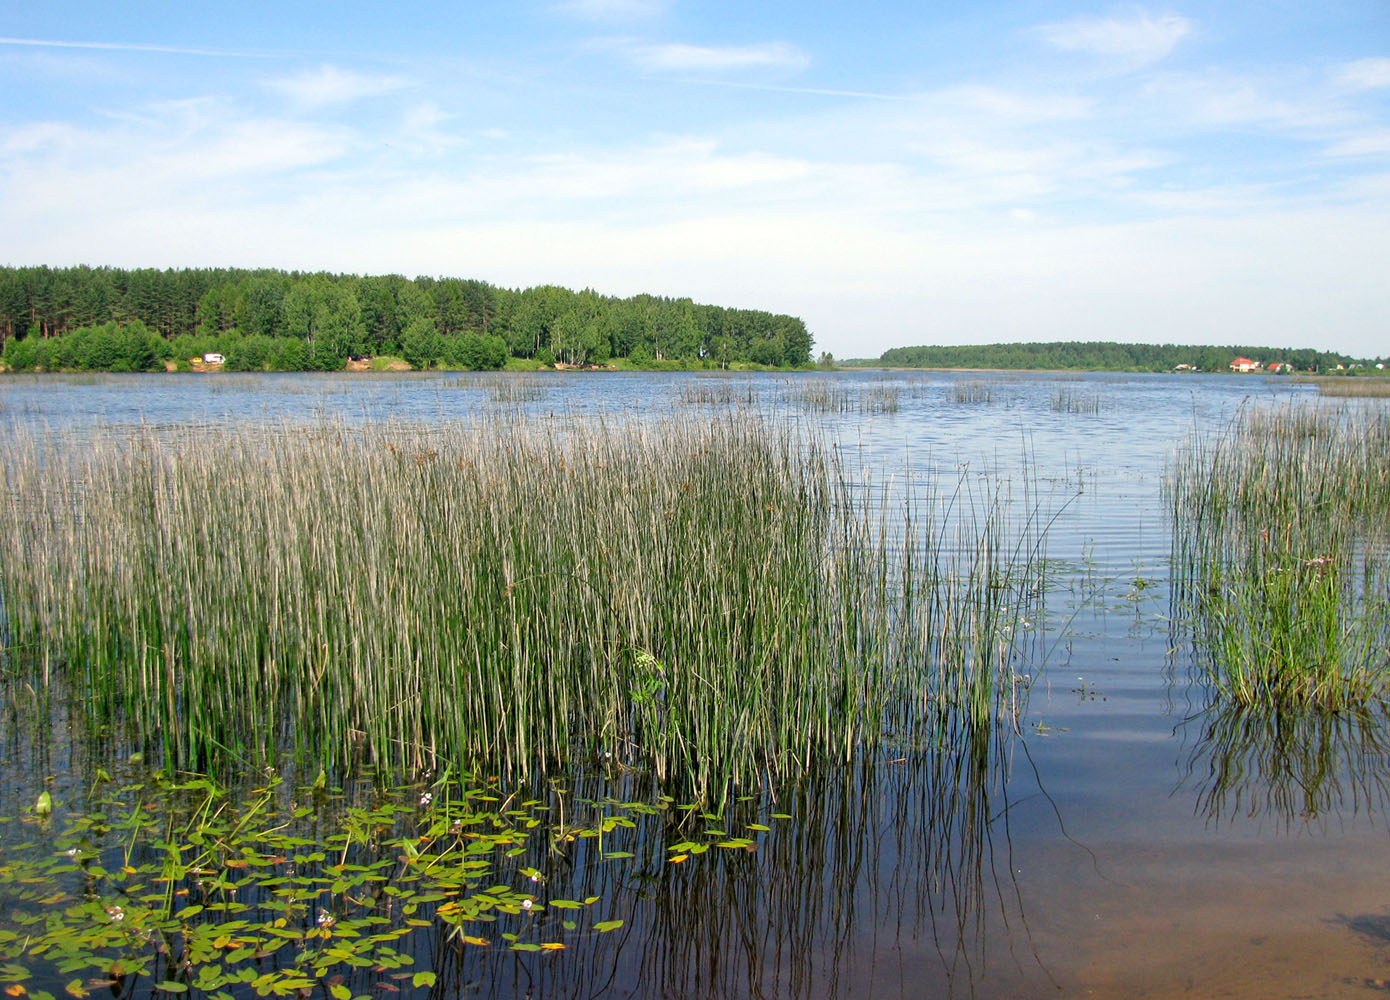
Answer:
(611, 10)
(1137, 39)
(127, 47)
(331, 85)
(1013, 106)
(715, 59)
(1364, 74)
(1224, 99)
(1371, 143)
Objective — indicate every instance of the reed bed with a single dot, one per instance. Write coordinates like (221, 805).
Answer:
(822, 396)
(1067, 400)
(698, 599)
(973, 391)
(1281, 557)
(1371, 386)
(879, 399)
(516, 388)
(721, 393)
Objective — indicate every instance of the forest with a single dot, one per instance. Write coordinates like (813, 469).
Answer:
(1107, 356)
(104, 318)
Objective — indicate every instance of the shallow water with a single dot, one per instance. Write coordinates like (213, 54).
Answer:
(1126, 842)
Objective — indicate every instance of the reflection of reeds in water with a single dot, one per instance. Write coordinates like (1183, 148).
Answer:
(1280, 557)
(1066, 400)
(793, 891)
(1299, 768)
(973, 391)
(701, 599)
(865, 855)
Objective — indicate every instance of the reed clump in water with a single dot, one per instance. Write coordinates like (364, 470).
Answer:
(1341, 385)
(973, 391)
(879, 399)
(1067, 400)
(721, 393)
(820, 396)
(1280, 555)
(699, 599)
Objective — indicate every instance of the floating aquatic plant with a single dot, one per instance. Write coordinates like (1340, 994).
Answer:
(174, 886)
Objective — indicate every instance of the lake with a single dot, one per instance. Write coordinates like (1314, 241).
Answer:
(1133, 837)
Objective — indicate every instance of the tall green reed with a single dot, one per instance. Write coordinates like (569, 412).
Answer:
(1280, 554)
(702, 599)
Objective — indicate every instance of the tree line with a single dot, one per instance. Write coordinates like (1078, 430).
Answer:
(264, 318)
(1106, 356)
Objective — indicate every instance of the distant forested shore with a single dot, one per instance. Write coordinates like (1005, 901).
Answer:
(111, 319)
(1109, 356)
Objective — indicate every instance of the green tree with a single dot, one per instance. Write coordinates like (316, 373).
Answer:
(421, 344)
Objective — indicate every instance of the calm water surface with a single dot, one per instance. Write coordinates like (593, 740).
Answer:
(1130, 841)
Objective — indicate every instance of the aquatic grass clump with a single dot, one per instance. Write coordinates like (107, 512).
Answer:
(1342, 385)
(879, 399)
(721, 393)
(1280, 555)
(1067, 400)
(516, 388)
(973, 391)
(820, 396)
(703, 600)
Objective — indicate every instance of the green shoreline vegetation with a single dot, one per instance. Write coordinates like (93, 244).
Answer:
(1117, 357)
(109, 319)
(473, 596)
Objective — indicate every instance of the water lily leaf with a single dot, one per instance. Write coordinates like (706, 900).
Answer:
(615, 855)
(679, 858)
(759, 827)
(423, 979)
(169, 986)
(604, 926)
(565, 904)
(340, 992)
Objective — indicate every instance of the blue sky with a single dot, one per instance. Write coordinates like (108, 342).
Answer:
(901, 174)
